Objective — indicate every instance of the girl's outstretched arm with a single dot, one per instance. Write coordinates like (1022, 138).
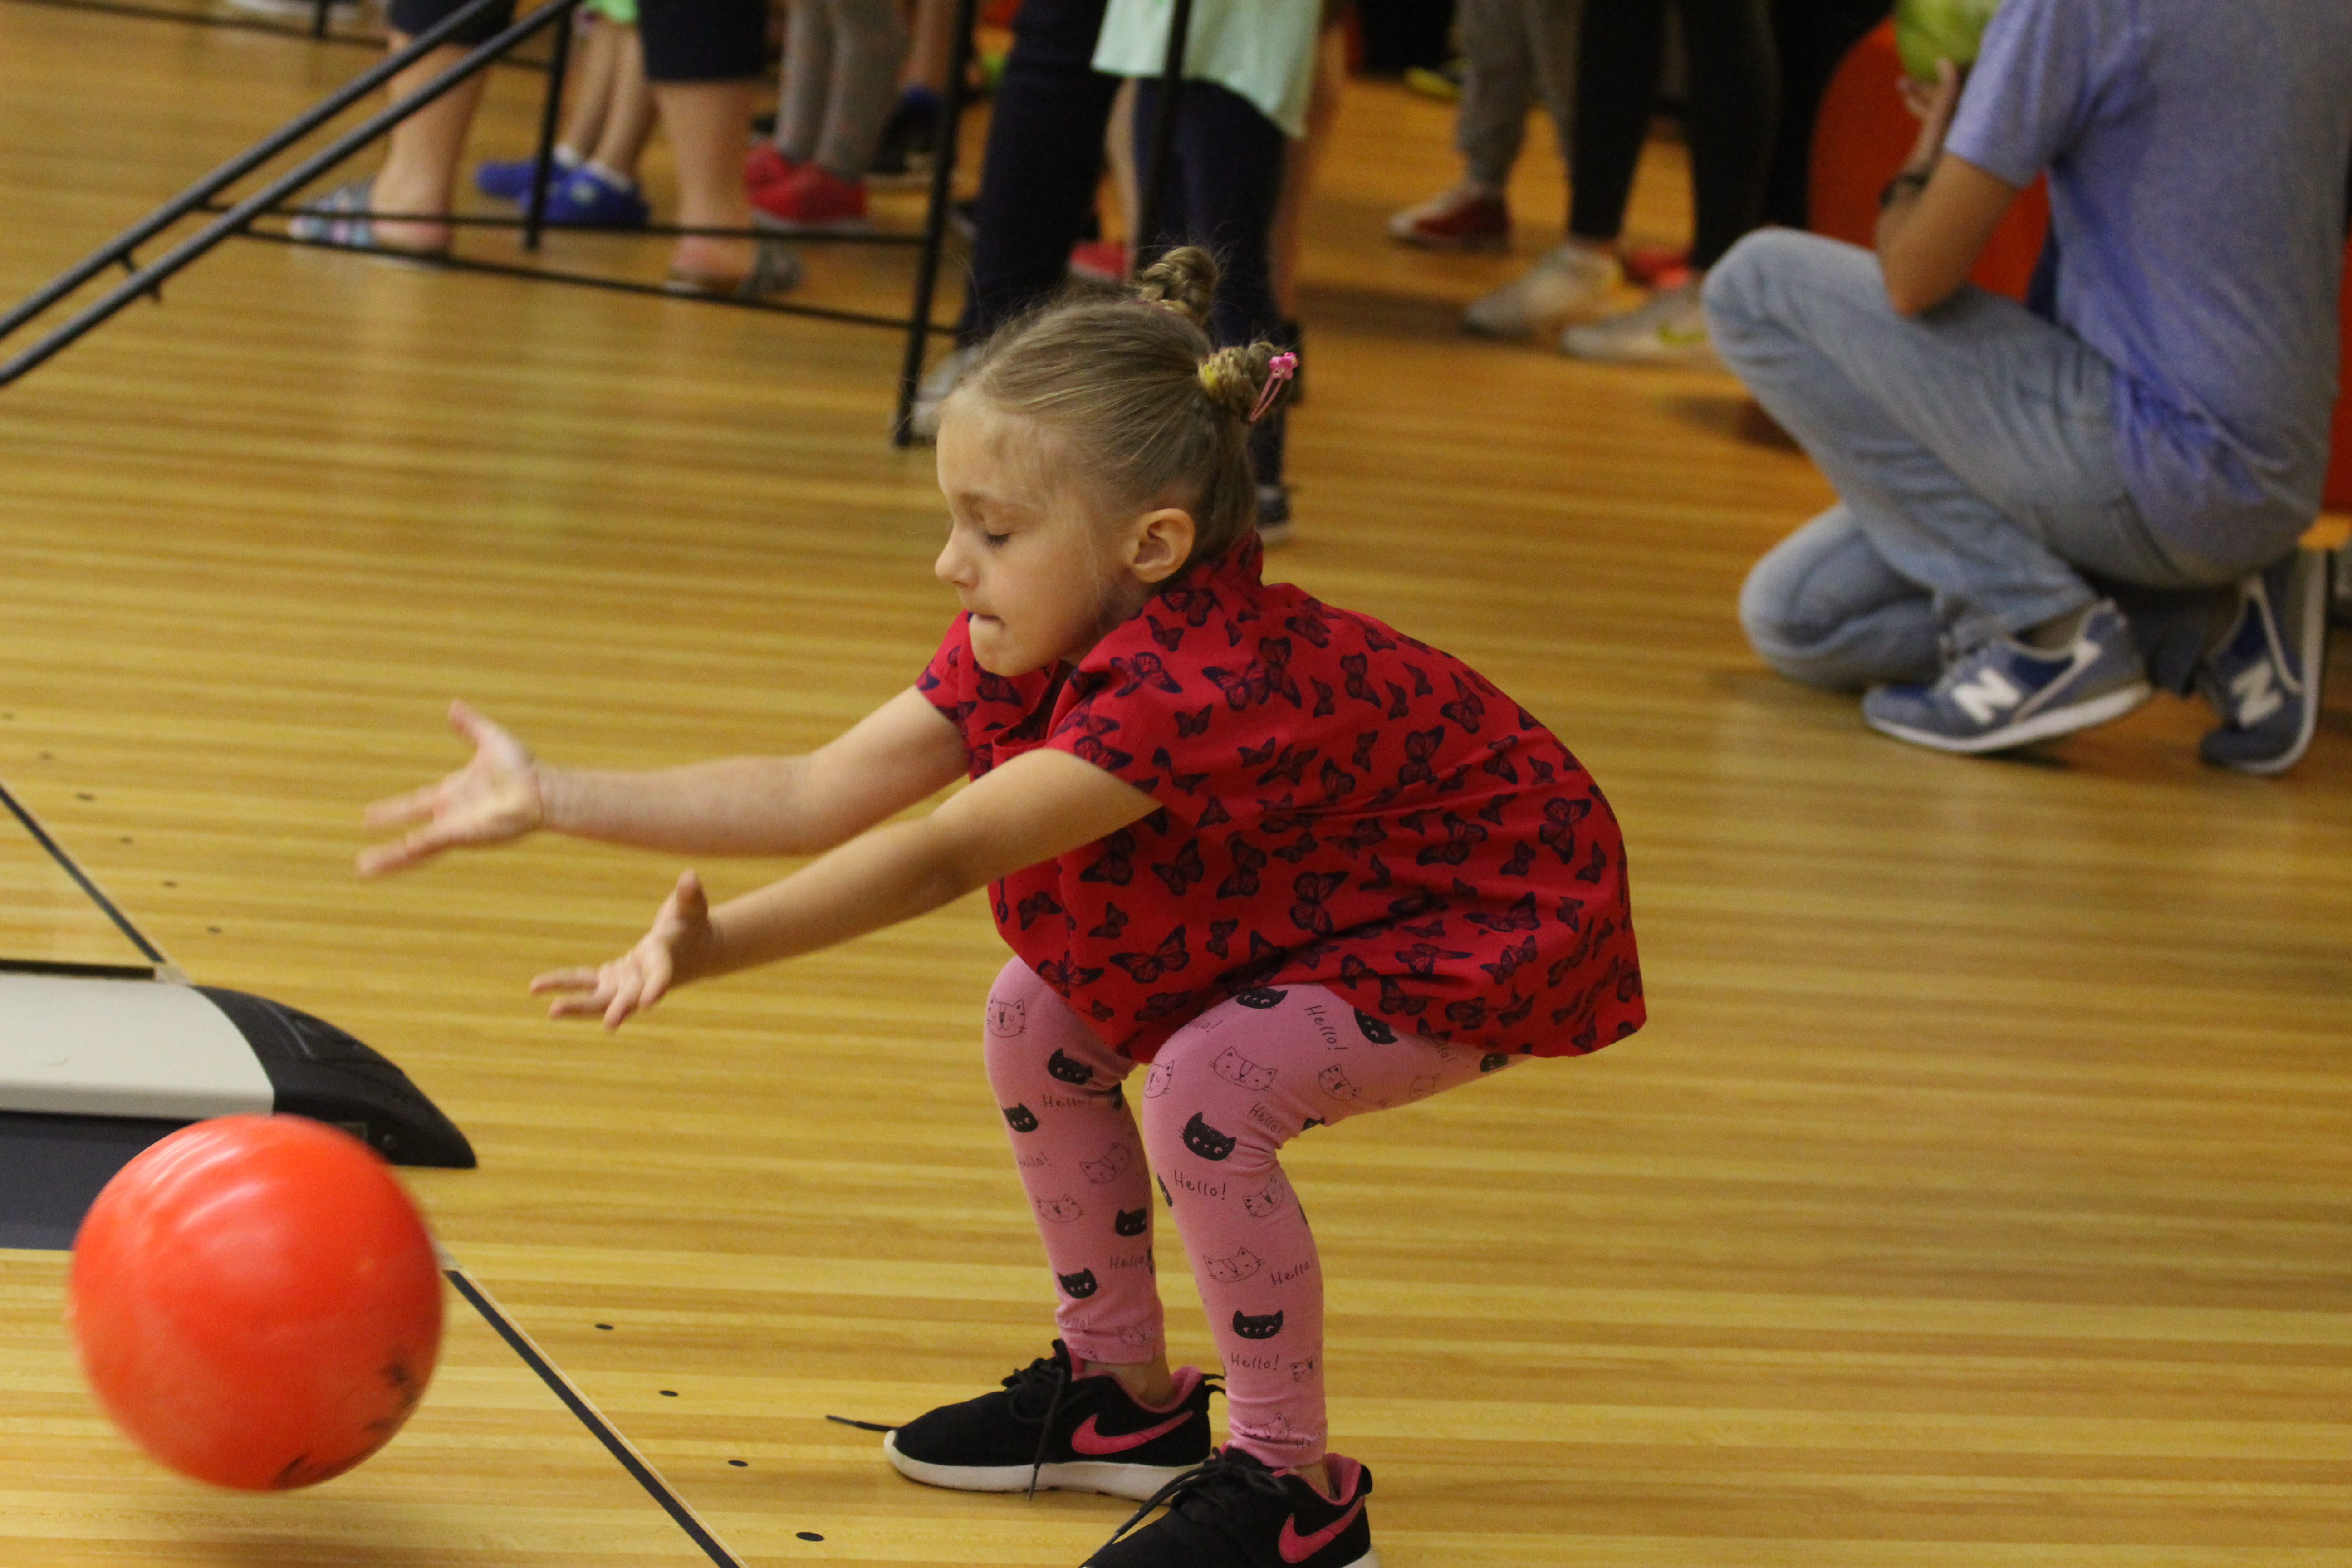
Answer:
(1040, 804)
(894, 756)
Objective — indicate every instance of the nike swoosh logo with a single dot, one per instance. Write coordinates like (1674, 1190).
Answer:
(1297, 1548)
(1086, 1440)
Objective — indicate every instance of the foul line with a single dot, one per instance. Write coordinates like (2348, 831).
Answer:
(590, 1416)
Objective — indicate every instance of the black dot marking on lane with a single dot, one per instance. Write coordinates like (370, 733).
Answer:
(808, 1535)
(669, 1393)
(84, 794)
(607, 1326)
(212, 931)
(171, 884)
(740, 1464)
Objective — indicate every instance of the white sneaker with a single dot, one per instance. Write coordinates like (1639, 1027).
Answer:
(923, 419)
(1670, 329)
(1566, 283)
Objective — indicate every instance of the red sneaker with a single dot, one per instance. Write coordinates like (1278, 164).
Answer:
(814, 197)
(1100, 261)
(1457, 219)
(764, 166)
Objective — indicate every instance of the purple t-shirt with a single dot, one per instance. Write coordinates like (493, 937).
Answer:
(2196, 151)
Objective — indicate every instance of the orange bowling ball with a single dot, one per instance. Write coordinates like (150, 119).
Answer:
(256, 1301)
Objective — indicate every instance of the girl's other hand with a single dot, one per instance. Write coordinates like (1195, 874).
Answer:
(682, 945)
(494, 798)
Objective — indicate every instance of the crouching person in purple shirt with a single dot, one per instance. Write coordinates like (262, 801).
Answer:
(2043, 517)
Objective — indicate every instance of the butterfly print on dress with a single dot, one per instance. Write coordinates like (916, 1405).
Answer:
(1466, 710)
(1141, 669)
(1183, 871)
(1521, 917)
(1037, 904)
(1312, 888)
(1459, 838)
(1191, 724)
(1325, 699)
(1116, 864)
(1558, 832)
(1168, 957)
(1221, 932)
(1114, 921)
(1248, 861)
(1189, 782)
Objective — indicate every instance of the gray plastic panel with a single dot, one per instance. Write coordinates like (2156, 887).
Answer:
(122, 1047)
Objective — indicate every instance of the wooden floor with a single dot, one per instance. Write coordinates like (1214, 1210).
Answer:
(1981, 1193)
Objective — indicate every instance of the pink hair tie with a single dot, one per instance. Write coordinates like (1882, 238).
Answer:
(1278, 368)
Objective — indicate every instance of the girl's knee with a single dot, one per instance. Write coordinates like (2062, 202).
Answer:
(1191, 1118)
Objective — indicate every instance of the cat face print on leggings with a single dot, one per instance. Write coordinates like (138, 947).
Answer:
(1020, 1119)
(1260, 1328)
(1007, 1020)
(1132, 1222)
(1079, 1286)
(1156, 1081)
(1232, 1270)
(1206, 1141)
(1068, 1069)
(1106, 1169)
(1064, 1210)
(1240, 1071)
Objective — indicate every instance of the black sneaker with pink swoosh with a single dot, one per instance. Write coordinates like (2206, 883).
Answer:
(1055, 1425)
(1235, 1513)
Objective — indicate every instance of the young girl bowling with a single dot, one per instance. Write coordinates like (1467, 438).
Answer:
(1294, 865)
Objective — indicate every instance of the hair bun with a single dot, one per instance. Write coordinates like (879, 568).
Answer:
(1184, 280)
(1234, 378)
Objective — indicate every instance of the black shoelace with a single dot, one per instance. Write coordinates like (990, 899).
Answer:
(1222, 1471)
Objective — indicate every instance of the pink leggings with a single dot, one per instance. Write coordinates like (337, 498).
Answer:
(1222, 1096)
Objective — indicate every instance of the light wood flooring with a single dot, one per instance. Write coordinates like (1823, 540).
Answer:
(1981, 1193)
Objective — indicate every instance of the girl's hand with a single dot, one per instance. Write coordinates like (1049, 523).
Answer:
(494, 798)
(682, 945)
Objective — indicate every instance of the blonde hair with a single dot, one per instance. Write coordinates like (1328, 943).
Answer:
(1146, 410)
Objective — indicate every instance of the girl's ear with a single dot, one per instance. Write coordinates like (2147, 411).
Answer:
(1159, 543)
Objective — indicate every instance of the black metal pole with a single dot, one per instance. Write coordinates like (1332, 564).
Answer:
(534, 221)
(1154, 195)
(245, 163)
(147, 278)
(935, 223)
(319, 9)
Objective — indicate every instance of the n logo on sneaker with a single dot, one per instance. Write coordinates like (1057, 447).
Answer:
(2257, 689)
(1985, 695)
(1088, 1440)
(1297, 1548)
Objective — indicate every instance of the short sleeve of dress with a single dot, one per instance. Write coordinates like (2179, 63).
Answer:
(943, 678)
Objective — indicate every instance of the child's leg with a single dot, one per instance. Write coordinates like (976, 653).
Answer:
(808, 68)
(1222, 1096)
(869, 44)
(1076, 1145)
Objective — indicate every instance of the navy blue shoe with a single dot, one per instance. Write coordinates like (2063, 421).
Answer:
(509, 179)
(2001, 693)
(586, 196)
(2264, 679)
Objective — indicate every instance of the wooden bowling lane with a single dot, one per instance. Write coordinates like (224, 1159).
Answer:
(47, 918)
(490, 1472)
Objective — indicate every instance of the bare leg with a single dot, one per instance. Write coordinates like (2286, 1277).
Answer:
(591, 87)
(706, 122)
(926, 63)
(1118, 142)
(628, 111)
(1298, 167)
(420, 164)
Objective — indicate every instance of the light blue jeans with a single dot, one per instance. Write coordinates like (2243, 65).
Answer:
(1973, 451)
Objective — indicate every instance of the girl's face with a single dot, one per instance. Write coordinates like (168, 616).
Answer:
(1032, 560)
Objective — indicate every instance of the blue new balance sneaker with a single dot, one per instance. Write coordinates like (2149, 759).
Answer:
(2001, 694)
(2264, 679)
(509, 179)
(586, 195)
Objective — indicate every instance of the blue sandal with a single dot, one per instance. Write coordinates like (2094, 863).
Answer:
(336, 219)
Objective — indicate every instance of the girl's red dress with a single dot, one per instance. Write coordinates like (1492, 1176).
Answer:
(1339, 805)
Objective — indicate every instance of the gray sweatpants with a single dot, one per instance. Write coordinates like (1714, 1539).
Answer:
(1512, 51)
(841, 79)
